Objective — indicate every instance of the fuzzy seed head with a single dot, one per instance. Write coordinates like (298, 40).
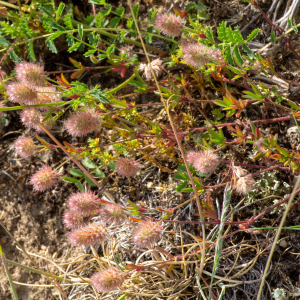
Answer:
(72, 220)
(44, 179)
(45, 96)
(108, 280)
(147, 234)
(31, 73)
(204, 161)
(82, 123)
(89, 235)
(112, 213)
(83, 203)
(157, 66)
(169, 24)
(127, 167)
(31, 118)
(19, 92)
(24, 146)
(197, 55)
(245, 184)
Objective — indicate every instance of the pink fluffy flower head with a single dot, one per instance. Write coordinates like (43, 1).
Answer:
(31, 118)
(157, 66)
(198, 55)
(31, 73)
(44, 179)
(245, 184)
(147, 234)
(127, 167)
(82, 123)
(72, 220)
(19, 92)
(24, 146)
(204, 161)
(84, 203)
(108, 280)
(169, 24)
(89, 235)
(47, 95)
(112, 213)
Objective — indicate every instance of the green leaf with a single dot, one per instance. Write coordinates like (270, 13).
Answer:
(114, 22)
(99, 2)
(228, 55)
(89, 181)
(14, 57)
(222, 31)
(152, 14)
(51, 46)
(112, 165)
(89, 20)
(4, 42)
(30, 51)
(190, 6)
(68, 22)
(80, 186)
(99, 95)
(221, 103)
(181, 186)
(99, 173)
(46, 11)
(252, 35)
(238, 57)
(90, 52)
(69, 179)
(59, 10)
(80, 31)
(120, 11)
(136, 9)
(76, 173)
(70, 40)
(88, 163)
(181, 176)
(237, 35)
(249, 52)
(54, 35)
(74, 47)
(181, 169)
(136, 83)
(273, 37)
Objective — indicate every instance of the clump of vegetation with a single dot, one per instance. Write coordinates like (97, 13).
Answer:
(196, 138)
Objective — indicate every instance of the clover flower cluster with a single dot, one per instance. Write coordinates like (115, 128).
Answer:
(245, 183)
(83, 122)
(198, 55)
(44, 179)
(127, 167)
(203, 161)
(30, 89)
(169, 24)
(24, 146)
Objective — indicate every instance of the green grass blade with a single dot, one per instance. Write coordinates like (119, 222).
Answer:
(8, 275)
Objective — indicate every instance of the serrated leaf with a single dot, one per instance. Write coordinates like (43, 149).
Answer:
(120, 11)
(80, 186)
(14, 57)
(54, 35)
(69, 179)
(74, 47)
(222, 31)
(30, 51)
(51, 46)
(89, 20)
(88, 163)
(152, 14)
(46, 11)
(112, 165)
(114, 22)
(181, 169)
(99, 95)
(90, 52)
(249, 52)
(99, 173)
(80, 31)
(238, 57)
(68, 22)
(98, 2)
(56, 26)
(76, 173)
(59, 10)
(136, 9)
(70, 40)
(228, 55)
(4, 42)
(89, 181)
(237, 35)
(181, 186)
(252, 35)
